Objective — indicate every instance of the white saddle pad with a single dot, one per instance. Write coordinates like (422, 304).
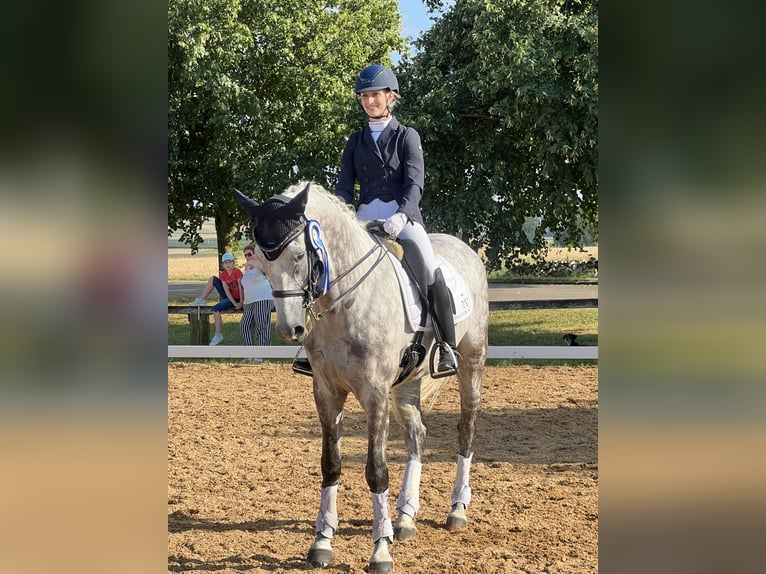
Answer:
(412, 310)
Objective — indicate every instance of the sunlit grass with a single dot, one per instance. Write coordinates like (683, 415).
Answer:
(183, 266)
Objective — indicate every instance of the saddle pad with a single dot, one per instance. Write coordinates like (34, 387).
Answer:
(460, 294)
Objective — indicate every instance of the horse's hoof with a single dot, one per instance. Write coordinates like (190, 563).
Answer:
(381, 561)
(456, 519)
(404, 529)
(319, 558)
(320, 553)
(380, 567)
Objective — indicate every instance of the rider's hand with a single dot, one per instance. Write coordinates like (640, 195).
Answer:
(394, 224)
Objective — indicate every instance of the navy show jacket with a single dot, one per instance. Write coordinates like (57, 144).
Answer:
(389, 169)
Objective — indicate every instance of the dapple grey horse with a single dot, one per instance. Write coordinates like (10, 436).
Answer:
(355, 344)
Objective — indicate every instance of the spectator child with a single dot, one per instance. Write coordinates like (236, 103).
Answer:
(229, 287)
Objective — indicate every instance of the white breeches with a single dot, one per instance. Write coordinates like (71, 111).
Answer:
(415, 232)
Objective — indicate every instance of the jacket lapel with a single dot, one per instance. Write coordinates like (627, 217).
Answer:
(387, 133)
(367, 138)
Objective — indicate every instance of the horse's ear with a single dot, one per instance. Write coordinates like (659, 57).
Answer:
(298, 203)
(250, 205)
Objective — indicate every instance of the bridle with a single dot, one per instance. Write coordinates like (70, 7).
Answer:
(307, 291)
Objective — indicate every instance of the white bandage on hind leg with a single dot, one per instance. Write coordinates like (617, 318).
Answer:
(327, 518)
(462, 492)
(381, 523)
(409, 497)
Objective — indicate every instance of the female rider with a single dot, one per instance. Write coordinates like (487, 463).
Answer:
(386, 159)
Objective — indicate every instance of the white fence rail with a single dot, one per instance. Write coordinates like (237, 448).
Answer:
(288, 352)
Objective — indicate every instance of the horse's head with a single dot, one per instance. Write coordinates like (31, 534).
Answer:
(280, 223)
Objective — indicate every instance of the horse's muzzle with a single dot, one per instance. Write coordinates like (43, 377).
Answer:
(294, 334)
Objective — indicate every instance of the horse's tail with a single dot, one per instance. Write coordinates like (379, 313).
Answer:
(429, 391)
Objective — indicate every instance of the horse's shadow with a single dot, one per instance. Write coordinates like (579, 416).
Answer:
(179, 522)
(263, 562)
(559, 435)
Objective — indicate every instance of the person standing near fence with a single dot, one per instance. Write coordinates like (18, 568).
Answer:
(255, 326)
(229, 289)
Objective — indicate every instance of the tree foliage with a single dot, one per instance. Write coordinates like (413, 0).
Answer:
(505, 96)
(260, 94)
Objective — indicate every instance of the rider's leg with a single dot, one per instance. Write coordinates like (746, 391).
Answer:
(441, 305)
(302, 366)
(438, 296)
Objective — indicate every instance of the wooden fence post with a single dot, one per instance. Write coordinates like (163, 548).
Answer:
(199, 329)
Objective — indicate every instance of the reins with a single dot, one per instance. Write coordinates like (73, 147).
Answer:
(305, 292)
(378, 246)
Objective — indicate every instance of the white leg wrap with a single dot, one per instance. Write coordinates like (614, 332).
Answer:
(381, 523)
(327, 519)
(462, 492)
(409, 497)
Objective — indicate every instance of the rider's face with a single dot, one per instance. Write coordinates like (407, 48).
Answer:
(374, 103)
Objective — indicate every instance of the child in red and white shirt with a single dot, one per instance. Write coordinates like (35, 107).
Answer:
(229, 287)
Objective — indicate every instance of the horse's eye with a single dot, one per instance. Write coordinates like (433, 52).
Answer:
(301, 255)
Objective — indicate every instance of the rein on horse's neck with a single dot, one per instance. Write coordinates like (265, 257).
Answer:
(352, 251)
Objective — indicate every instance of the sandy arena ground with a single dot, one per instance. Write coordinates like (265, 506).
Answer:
(244, 446)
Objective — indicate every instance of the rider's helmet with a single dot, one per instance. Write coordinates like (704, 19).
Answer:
(375, 77)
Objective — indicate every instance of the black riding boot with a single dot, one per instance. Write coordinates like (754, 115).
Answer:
(302, 366)
(441, 311)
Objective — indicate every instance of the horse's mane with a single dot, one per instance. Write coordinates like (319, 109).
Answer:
(327, 201)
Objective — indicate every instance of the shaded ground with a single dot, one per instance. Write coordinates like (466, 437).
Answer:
(244, 476)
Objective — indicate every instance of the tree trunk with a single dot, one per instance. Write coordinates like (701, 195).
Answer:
(224, 232)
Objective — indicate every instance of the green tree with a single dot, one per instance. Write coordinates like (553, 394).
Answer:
(260, 94)
(505, 97)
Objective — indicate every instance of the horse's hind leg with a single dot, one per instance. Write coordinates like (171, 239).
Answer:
(407, 400)
(470, 378)
(375, 404)
(329, 406)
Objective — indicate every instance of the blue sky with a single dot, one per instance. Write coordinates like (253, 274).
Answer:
(414, 17)
(415, 21)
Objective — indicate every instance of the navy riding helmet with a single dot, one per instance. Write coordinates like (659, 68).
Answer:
(375, 77)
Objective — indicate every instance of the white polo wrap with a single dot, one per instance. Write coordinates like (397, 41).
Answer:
(462, 491)
(409, 497)
(381, 523)
(327, 518)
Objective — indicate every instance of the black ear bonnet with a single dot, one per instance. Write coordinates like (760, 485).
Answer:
(278, 224)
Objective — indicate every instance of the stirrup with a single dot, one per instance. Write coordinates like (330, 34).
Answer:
(302, 366)
(448, 361)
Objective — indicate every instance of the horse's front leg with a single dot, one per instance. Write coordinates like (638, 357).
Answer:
(407, 401)
(376, 472)
(329, 404)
